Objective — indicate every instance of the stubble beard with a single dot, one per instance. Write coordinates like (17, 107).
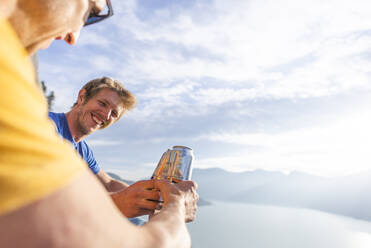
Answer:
(79, 124)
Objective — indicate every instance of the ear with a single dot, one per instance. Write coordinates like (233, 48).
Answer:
(81, 97)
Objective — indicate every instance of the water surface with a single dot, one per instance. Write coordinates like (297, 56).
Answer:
(228, 225)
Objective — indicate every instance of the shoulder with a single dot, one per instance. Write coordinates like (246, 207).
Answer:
(55, 116)
(87, 154)
(42, 164)
(84, 145)
(59, 121)
(14, 59)
(85, 151)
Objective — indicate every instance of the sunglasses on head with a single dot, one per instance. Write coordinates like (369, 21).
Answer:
(97, 17)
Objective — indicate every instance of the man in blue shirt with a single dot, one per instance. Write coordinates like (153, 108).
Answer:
(102, 102)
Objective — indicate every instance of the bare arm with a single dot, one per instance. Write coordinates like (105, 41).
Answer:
(111, 185)
(82, 215)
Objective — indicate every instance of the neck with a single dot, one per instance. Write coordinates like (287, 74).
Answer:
(72, 120)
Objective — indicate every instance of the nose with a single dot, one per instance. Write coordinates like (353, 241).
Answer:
(72, 37)
(107, 114)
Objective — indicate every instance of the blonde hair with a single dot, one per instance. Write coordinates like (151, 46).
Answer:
(94, 86)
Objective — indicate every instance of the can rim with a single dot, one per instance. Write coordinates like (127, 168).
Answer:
(186, 147)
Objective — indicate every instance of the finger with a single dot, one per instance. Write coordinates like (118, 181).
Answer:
(162, 185)
(176, 180)
(150, 195)
(197, 196)
(144, 211)
(151, 215)
(191, 184)
(146, 195)
(195, 185)
(190, 218)
(149, 205)
(159, 201)
(144, 184)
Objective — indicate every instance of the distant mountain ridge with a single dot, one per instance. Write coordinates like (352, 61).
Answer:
(117, 177)
(348, 196)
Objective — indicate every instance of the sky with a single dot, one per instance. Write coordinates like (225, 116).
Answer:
(279, 85)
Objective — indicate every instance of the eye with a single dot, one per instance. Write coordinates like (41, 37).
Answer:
(95, 10)
(103, 104)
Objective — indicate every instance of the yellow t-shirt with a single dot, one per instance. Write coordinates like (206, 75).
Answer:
(34, 161)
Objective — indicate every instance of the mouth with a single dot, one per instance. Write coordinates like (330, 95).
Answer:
(97, 120)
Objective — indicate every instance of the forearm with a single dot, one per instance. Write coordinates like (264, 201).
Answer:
(168, 226)
(111, 185)
(115, 186)
(69, 218)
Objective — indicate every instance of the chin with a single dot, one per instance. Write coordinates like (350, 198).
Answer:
(92, 130)
(32, 49)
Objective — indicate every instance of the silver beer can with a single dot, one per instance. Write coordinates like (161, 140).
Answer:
(175, 164)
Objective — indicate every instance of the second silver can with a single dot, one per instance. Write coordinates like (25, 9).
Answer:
(175, 164)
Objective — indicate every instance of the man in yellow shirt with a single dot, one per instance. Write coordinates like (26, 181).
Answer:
(48, 197)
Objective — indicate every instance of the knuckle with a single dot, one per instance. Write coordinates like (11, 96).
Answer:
(195, 185)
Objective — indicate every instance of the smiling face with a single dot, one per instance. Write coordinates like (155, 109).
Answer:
(100, 111)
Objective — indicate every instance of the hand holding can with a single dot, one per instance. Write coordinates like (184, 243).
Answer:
(175, 166)
(183, 192)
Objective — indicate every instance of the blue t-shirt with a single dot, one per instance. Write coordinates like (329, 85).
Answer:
(84, 150)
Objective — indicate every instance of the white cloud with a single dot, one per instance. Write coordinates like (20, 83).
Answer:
(237, 43)
(102, 142)
(195, 61)
(336, 148)
(101, 62)
(249, 38)
(88, 37)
